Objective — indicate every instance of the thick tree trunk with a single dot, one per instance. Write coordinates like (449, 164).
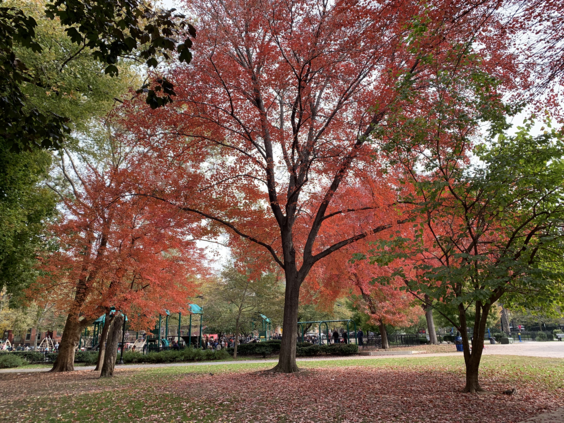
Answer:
(287, 359)
(103, 339)
(67, 347)
(112, 346)
(431, 325)
(384, 334)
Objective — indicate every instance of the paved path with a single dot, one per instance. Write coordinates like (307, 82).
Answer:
(532, 349)
(554, 417)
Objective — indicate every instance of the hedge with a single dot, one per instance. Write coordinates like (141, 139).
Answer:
(173, 356)
(88, 357)
(8, 361)
(303, 349)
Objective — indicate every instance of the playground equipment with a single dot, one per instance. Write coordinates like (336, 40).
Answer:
(325, 322)
(139, 344)
(158, 342)
(191, 339)
(265, 333)
(47, 344)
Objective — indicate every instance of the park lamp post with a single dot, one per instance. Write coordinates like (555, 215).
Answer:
(122, 339)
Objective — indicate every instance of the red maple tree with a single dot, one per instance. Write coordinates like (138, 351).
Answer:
(275, 115)
(115, 250)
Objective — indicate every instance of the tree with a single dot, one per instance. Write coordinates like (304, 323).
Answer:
(277, 110)
(114, 250)
(80, 92)
(492, 230)
(374, 291)
(105, 30)
(234, 301)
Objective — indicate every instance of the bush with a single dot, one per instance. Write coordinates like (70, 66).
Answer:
(87, 357)
(10, 360)
(30, 356)
(541, 336)
(259, 348)
(173, 356)
(333, 349)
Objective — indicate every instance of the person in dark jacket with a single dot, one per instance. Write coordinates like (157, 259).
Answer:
(345, 337)
(360, 337)
(335, 337)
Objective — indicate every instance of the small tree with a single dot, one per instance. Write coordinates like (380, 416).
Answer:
(238, 297)
(490, 230)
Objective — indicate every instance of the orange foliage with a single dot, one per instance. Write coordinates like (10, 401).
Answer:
(114, 249)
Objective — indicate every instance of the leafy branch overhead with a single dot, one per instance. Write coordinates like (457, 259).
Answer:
(109, 31)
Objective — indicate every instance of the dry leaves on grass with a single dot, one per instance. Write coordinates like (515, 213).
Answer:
(327, 394)
(357, 394)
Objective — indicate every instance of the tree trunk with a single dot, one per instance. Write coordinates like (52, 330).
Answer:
(236, 337)
(67, 347)
(35, 339)
(112, 346)
(472, 359)
(431, 325)
(505, 321)
(102, 345)
(384, 334)
(287, 359)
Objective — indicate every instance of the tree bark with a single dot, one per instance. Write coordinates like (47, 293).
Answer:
(67, 347)
(430, 325)
(384, 334)
(35, 339)
(112, 343)
(103, 338)
(287, 359)
(236, 337)
(505, 321)
(472, 359)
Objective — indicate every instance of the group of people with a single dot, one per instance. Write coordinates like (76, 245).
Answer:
(22, 347)
(337, 337)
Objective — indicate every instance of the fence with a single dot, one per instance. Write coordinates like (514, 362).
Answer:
(373, 340)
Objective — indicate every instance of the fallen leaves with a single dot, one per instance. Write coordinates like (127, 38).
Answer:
(418, 393)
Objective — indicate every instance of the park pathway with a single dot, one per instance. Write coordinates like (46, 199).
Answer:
(530, 349)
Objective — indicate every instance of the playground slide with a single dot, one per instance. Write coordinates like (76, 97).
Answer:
(139, 344)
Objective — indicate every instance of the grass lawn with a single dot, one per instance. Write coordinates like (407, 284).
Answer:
(417, 389)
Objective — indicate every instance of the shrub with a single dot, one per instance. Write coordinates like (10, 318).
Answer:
(308, 351)
(333, 349)
(87, 357)
(260, 348)
(8, 361)
(173, 356)
(541, 336)
(30, 356)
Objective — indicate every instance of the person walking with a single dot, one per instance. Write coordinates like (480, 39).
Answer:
(345, 337)
(360, 337)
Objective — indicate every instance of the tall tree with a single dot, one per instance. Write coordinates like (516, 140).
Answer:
(277, 110)
(80, 92)
(114, 250)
